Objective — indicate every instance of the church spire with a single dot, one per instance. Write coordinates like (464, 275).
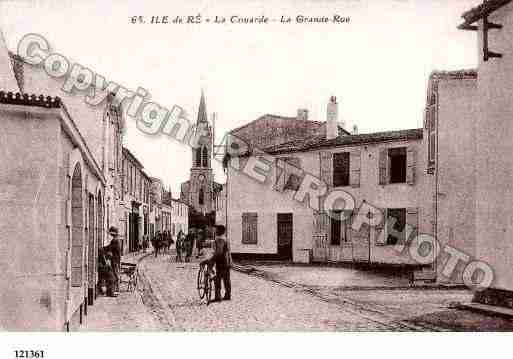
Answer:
(202, 111)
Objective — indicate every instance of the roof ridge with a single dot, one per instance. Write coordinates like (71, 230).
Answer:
(274, 116)
(305, 145)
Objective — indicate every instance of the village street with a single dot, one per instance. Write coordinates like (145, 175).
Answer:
(271, 302)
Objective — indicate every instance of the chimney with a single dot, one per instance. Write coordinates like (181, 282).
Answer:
(302, 114)
(332, 119)
(355, 130)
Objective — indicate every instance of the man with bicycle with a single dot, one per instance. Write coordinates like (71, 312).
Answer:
(222, 258)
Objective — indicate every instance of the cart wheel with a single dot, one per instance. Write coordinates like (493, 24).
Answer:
(201, 282)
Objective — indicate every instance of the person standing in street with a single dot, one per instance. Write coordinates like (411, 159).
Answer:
(222, 258)
(189, 242)
(115, 249)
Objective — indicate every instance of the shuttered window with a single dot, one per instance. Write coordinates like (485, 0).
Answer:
(249, 228)
(341, 169)
(397, 163)
(293, 173)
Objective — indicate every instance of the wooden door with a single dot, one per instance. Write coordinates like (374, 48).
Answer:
(285, 235)
(361, 244)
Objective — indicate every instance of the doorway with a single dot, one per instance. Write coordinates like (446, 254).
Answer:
(134, 231)
(285, 235)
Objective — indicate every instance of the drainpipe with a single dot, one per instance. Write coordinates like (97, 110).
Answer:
(435, 261)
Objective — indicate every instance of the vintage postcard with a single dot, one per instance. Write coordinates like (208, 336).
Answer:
(255, 166)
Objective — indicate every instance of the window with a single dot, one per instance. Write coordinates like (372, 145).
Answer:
(204, 156)
(201, 199)
(338, 228)
(430, 125)
(198, 157)
(398, 164)
(293, 176)
(341, 169)
(396, 220)
(249, 228)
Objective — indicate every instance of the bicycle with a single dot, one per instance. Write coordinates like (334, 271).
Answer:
(205, 281)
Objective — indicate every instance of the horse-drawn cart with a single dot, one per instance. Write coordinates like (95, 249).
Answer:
(129, 274)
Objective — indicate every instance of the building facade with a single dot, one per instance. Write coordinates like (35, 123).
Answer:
(58, 201)
(451, 117)
(157, 195)
(493, 22)
(393, 171)
(135, 202)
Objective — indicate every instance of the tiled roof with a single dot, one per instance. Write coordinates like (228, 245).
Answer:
(29, 100)
(482, 10)
(320, 142)
(454, 75)
(269, 130)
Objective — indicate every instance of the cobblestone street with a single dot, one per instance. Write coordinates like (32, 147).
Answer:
(265, 304)
(256, 304)
(167, 299)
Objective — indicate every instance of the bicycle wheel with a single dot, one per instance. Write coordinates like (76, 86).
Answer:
(201, 281)
(208, 288)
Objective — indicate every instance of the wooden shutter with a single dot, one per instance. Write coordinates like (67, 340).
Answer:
(411, 160)
(380, 232)
(326, 171)
(412, 220)
(430, 126)
(279, 175)
(383, 167)
(249, 228)
(355, 164)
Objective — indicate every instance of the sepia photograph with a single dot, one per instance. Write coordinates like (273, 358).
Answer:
(308, 167)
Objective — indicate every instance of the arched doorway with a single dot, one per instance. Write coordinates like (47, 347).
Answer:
(91, 256)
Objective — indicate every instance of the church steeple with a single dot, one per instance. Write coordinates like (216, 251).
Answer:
(202, 111)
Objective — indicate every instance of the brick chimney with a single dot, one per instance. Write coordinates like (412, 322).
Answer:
(302, 114)
(332, 119)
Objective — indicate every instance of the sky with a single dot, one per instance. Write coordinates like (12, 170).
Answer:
(377, 65)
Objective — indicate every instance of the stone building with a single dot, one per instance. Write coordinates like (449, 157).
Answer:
(200, 191)
(58, 200)
(451, 117)
(135, 202)
(391, 171)
(157, 196)
(493, 22)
